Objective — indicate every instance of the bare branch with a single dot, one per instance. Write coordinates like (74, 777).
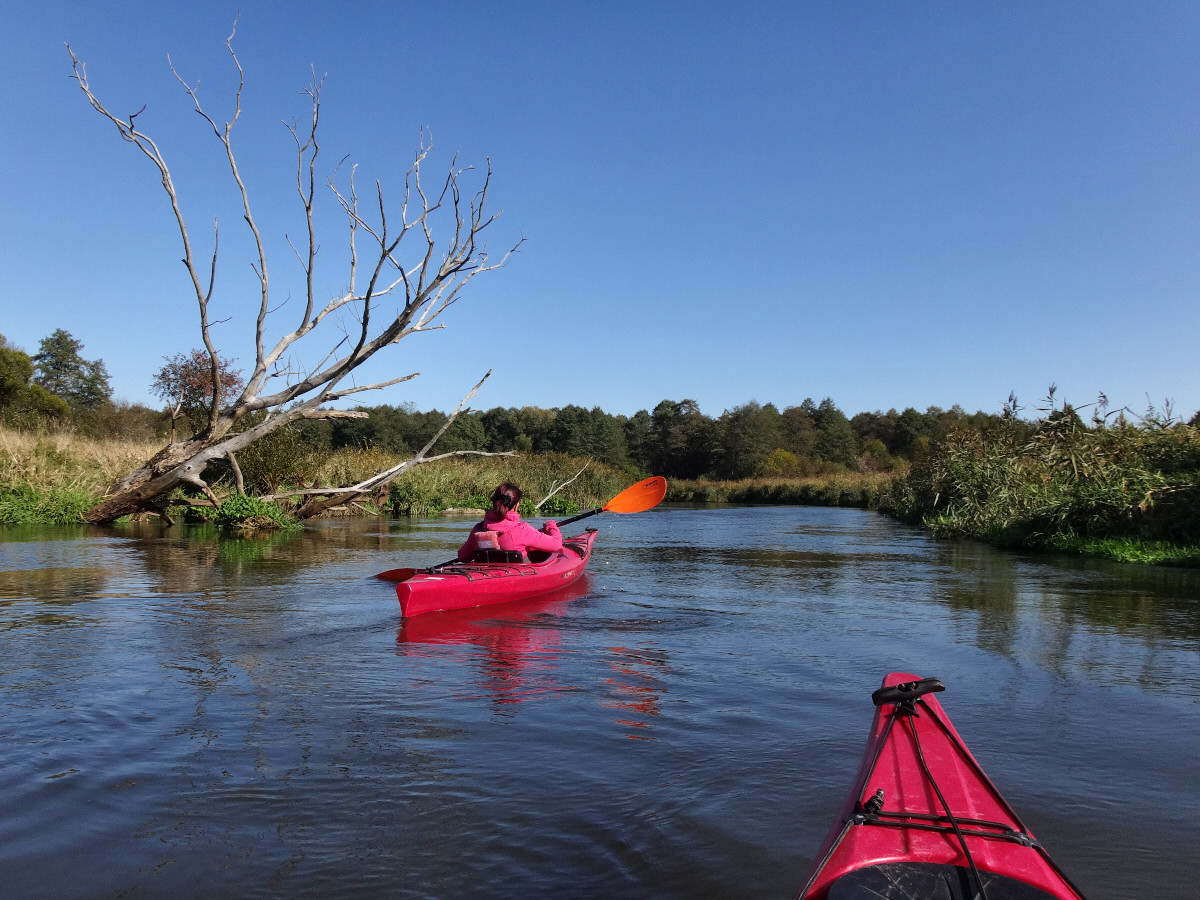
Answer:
(385, 476)
(129, 132)
(333, 414)
(238, 480)
(554, 490)
(373, 484)
(370, 387)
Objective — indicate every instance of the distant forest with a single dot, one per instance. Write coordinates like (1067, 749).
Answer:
(57, 386)
(675, 439)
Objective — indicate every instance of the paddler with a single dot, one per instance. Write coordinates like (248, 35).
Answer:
(503, 530)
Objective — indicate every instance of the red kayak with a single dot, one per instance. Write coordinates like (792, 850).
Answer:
(456, 585)
(924, 821)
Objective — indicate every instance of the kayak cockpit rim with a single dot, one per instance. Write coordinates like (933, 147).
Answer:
(469, 569)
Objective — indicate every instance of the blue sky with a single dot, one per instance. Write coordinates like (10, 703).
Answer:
(888, 203)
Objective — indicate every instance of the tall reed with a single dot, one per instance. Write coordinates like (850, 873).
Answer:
(1059, 483)
(468, 481)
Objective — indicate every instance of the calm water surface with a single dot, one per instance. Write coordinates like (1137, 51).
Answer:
(187, 717)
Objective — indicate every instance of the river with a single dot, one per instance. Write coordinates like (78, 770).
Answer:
(190, 717)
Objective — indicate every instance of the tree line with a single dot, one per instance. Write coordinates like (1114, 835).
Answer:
(59, 385)
(675, 439)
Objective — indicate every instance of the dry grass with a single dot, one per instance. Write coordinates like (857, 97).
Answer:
(53, 477)
(51, 462)
(352, 465)
(453, 482)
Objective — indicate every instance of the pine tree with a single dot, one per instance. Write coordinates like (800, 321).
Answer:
(59, 368)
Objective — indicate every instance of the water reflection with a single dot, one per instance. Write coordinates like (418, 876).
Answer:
(983, 582)
(516, 646)
(1148, 602)
(24, 593)
(636, 687)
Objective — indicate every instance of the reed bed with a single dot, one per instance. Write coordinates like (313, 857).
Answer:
(850, 489)
(53, 478)
(1127, 492)
(466, 482)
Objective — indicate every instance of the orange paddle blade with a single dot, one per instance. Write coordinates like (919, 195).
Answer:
(640, 497)
(396, 574)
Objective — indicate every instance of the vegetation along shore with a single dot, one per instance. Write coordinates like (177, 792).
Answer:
(1113, 486)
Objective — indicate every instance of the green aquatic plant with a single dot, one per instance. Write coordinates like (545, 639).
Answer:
(241, 513)
(199, 515)
(1129, 550)
(559, 506)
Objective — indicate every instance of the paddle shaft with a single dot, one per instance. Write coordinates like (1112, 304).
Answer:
(590, 512)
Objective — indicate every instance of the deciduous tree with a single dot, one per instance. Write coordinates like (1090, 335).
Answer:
(185, 383)
(836, 440)
(21, 401)
(682, 439)
(749, 433)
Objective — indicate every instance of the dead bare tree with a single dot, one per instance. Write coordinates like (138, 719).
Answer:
(421, 292)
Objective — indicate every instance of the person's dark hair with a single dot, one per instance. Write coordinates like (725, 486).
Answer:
(507, 496)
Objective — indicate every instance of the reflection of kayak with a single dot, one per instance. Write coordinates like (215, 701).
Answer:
(514, 647)
(924, 821)
(464, 585)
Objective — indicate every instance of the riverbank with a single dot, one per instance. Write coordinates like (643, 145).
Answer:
(1122, 494)
(846, 489)
(1125, 491)
(53, 478)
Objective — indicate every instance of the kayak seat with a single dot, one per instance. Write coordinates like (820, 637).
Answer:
(928, 881)
(509, 557)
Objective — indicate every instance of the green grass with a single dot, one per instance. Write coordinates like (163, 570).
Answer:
(1128, 550)
(25, 505)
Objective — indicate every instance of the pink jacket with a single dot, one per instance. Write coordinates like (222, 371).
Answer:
(514, 535)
